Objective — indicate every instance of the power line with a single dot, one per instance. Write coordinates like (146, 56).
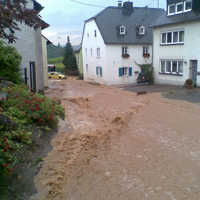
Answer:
(87, 4)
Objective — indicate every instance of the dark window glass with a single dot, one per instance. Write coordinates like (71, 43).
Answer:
(162, 67)
(179, 7)
(168, 66)
(188, 5)
(169, 37)
(175, 36)
(174, 66)
(181, 36)
(172, 9)
(164, 35)
(180, 67)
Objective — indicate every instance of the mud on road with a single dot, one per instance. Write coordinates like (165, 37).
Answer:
(121, 146)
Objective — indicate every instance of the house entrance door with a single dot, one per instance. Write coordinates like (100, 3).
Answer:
(32, 76)
(193, 71)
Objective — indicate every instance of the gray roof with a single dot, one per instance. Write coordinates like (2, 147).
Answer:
(175, 19)
(111, 18)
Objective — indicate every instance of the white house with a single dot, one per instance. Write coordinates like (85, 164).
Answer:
(45, 42)
(29, 45)
(176, 43)
(115, 41)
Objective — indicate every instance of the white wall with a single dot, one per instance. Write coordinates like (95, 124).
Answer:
(115, 61)
(45, 63)
(29, 46)
(93, 43)
(110, 59)
(189, 51)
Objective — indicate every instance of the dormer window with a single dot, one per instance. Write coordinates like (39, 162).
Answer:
(141, 30)
(122, 30)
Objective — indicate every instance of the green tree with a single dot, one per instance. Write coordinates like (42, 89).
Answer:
(14, 12)
(10, 62)
(70, 60)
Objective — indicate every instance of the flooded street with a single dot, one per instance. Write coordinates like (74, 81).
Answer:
(115, 144)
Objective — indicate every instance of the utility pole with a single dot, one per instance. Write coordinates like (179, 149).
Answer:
(158, 3)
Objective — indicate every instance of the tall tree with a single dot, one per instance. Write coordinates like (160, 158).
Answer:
(69, 59)
(13, 12)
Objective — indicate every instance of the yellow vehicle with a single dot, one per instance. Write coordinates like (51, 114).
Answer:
(56, 75)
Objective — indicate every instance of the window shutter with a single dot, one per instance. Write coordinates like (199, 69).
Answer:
(96, 70)
(101, 73)
(120, 71)
(130, 71)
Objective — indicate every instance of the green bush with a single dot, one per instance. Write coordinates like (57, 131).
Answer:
(148, 71)
(9, 63)
(24, 109)
(189, 82)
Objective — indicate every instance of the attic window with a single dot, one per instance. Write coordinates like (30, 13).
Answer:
(122, 30)
(141, 30)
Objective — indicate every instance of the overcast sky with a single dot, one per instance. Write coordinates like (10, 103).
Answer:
(66, 17)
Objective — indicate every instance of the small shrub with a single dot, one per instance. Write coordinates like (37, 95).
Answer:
(148, 71)
(189, 82)
(9, 63)
(23, 109)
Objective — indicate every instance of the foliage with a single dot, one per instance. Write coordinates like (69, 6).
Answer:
(55, 51)
(55, 60)
(148, 71)
(196, 6)
(9, 63)
(24, 109)
(14, 12)
(70, 60)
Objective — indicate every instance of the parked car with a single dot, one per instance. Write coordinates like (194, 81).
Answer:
(56, 75)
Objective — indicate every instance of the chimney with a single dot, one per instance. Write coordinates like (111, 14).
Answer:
(127, 8)
(119, 3)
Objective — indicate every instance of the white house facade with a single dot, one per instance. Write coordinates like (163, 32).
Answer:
(29, 45)
(115, 42)
(176, 42)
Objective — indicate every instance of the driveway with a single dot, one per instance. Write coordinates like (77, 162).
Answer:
(167, 91)
(122, 146)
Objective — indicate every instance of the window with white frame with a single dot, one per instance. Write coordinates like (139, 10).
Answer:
(171, 67)
(98, 52)
(95, 33)
(125, 71)
(141, 30)
(188, 5)
(99, 71)
(180, 7)
(146, 51)
(122, 30)
(172, 9)
(172, 37)
(124, 50)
